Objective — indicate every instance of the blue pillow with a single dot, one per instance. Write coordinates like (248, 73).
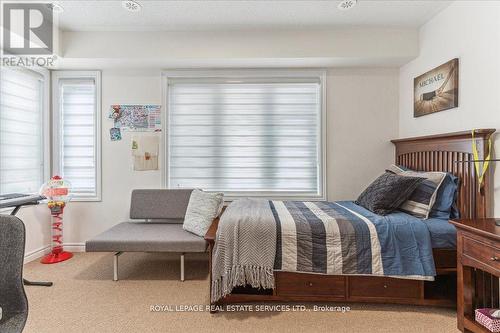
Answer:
(445, 205)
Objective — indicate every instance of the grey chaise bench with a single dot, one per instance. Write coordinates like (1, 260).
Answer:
(158, 216)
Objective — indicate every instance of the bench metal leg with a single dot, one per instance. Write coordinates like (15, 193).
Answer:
(182, 267)
(115, 265)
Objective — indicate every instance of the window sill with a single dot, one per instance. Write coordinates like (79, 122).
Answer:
(276, 197)
(86, 199)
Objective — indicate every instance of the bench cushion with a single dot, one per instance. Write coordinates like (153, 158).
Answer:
(159, 204)
(146, 237)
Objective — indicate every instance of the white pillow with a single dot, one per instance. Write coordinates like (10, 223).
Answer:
(420, 202)
(202, 209)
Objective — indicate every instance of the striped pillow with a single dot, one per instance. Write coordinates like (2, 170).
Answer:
(422, 199)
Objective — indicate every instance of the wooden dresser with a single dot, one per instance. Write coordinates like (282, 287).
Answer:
(478, 269)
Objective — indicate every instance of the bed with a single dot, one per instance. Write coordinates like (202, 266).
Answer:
(435, 283)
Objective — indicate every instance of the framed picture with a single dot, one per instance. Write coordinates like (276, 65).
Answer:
(436, 90)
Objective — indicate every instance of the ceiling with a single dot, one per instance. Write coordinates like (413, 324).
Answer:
(188, 15)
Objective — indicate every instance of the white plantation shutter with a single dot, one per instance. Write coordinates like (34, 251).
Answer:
(78, 135)
(21, 131)
(258, 136)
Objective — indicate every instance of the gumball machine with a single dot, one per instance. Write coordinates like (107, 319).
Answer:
(57, 191)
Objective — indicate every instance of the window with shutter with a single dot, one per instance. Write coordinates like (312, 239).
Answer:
(258, 136)
(77, 129)
(21, 131)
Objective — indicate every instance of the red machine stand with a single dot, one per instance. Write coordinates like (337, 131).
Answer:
(57, 191)
(57, 254)
(54, 258)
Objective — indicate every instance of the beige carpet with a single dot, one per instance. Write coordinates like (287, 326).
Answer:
(84, 299)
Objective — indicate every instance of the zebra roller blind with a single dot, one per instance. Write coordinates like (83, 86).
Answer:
(258, 137)
(21, 131)
(78, 146)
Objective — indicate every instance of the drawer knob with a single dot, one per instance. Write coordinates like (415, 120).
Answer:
(385, 286)
(494, 258)
(310, 284)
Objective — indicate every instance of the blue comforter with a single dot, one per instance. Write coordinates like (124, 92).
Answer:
(344, 238)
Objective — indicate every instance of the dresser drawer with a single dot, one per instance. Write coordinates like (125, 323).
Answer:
(486, 254)
(293, 284)
(361, 286)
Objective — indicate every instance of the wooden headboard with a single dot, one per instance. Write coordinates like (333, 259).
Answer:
(440, 153)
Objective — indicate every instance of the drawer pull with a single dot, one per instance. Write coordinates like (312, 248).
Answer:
(385, 286)
(310, 284)
(494, 258)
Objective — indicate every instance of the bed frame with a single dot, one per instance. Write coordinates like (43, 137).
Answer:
(451, 152)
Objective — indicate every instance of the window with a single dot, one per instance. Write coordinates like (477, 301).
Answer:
(246, 135)
(22, 131)
(77, 131)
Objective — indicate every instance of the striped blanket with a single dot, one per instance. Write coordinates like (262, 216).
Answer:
(315, 237)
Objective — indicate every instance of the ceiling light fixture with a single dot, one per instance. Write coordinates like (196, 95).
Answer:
(347, 4)
(131, 6)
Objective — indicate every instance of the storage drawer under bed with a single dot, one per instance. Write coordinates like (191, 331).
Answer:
(364, 286)
(295, 284)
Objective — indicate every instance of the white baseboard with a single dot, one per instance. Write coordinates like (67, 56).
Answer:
(35, 254)
(75, 247)
(40, 252)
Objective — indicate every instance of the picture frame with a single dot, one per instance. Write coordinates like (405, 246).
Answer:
(437, 89)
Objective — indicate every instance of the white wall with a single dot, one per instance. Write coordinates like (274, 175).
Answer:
(362, 118)
(354, 46)
(470, 31)
(362, 109)
(37, 222)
